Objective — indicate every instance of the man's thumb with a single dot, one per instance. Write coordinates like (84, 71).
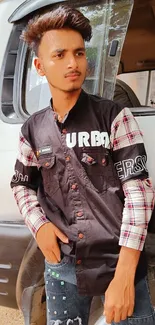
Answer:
(61, 236)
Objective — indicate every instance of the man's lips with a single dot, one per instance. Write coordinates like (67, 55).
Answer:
(72, 75)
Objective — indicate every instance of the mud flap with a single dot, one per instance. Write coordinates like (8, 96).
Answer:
(33, 305)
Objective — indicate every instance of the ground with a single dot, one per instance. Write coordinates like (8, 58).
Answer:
(10, 316)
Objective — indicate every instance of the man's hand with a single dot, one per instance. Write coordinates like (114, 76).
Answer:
(47, 241)
(119, 298)
(120, 295)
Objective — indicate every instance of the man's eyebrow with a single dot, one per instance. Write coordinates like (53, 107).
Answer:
(80, 49)
(64, 50)
(58, 51)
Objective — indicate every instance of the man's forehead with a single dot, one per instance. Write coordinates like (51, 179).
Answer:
(63, 36)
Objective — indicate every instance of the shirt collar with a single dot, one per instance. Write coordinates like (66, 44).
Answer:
(76, 107)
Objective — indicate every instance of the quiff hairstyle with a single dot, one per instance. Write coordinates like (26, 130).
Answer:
(58, 18)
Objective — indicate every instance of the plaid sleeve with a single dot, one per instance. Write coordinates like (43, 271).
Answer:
(125, 130)
(24, 185)
(130, 158)
(139, 203)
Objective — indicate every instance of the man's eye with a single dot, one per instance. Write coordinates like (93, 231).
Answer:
(59, 55)
(80, 53)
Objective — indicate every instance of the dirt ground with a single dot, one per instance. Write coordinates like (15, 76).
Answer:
(10, 316)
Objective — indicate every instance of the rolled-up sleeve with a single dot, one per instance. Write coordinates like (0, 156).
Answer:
(24, 184)
(130, 159)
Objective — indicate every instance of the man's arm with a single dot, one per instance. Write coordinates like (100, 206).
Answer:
(24, 184)
(129, 157)
(139, 203)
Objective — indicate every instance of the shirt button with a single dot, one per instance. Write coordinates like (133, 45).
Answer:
(79, 214)
(78, 262)
(90, 159)
(68, 158)
(104, 162)
(74, 186)
(64, 131)
(81, 236)
(46, 164)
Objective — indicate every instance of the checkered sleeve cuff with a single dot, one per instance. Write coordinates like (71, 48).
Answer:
(132, 237)
(30, 209)
(138, 207)
(36, 221)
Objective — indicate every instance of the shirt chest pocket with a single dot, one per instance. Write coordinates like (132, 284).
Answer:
(99, 168)
(47, 164)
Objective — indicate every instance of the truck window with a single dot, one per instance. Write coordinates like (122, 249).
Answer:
(109, 23)
(8, 107)
(29, 93)
(143, 85)
(137, 81)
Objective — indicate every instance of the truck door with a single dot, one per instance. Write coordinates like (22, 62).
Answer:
(23, 92)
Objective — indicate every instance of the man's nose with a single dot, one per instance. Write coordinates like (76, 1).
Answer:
(72, 62)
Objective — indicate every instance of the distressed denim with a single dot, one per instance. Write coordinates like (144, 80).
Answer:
(66, 307)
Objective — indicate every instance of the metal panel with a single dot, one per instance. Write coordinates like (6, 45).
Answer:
(14, 239)
(29, 6)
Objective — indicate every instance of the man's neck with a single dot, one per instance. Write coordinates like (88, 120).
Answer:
(63, 102)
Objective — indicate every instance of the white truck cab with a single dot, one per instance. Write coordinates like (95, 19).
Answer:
(121, 58)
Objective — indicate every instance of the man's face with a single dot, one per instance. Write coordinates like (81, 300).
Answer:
(62, 59)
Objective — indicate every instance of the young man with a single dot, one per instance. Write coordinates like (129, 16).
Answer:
(84, 191)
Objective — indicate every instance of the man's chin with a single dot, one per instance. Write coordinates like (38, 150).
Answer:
(73, 89)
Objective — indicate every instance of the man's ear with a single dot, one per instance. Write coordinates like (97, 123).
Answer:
(39, 66)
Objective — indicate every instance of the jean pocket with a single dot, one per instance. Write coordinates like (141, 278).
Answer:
(148, 320)
(143, 312)
(64, 260)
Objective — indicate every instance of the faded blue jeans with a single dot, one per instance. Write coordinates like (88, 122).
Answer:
(66, 307)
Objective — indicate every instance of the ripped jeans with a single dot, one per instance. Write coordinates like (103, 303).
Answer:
(66, 307)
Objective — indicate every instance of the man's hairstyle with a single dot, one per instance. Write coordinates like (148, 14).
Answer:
(58, 18)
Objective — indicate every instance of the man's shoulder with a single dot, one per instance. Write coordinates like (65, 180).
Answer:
(36, 116)
(108, 103)
(107, 107)
(33, 122)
